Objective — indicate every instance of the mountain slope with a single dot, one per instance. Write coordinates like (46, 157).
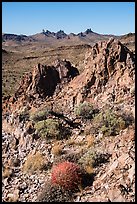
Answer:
(87, 118)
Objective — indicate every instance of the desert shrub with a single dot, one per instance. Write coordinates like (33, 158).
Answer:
(93, 158)
(89, 140)
(40, 114)
(54, 193)
(67, 175)
(88, 158)
(48, 128)
(85, 110)
(7, 172)
(108, 123)
(34, 162)
(52, 128)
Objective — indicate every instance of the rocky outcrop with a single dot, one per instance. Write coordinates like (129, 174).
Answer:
(44, 82)
(108, 77)
(113, 65)
(44, 79)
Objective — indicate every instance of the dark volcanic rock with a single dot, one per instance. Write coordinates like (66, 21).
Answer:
(60, 34)
(66, 70)
(44, 79)
(88, 31)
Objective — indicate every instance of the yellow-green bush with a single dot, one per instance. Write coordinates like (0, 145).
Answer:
(85, 110)
(48, 128)
(33, 163)
(40, 114)
(93, 158)
(108, 123)
(52, 128)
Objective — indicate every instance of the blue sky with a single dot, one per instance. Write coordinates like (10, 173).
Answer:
(102, 17)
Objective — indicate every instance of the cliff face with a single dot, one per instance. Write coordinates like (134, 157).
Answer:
(113, 66)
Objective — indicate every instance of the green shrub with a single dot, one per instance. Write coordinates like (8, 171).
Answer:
(93, 158)
(48, 128)
(108, 123)
(85, 110)
(40, 115)
(87, 158)
(52, 128)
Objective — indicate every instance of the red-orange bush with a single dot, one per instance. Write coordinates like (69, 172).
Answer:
(68, 175)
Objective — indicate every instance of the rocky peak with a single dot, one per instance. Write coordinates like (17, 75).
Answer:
(81, 34)
(47, 32)
(88, 31)
(60, 34)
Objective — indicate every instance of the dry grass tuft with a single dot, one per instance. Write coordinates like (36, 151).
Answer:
(89, 169)
(89, 140)
(57, 149)
(34, 162)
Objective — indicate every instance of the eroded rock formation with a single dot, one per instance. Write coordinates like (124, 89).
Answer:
(44, 79)
(108, 76)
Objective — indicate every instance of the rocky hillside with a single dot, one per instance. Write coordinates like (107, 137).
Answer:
(62, 122)
(23, 59)
(20, 53)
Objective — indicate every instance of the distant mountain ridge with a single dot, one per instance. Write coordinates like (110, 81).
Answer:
(60, 38)
(58, 35)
